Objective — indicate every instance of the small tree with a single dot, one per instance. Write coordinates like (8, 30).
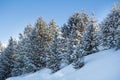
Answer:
(78, 57)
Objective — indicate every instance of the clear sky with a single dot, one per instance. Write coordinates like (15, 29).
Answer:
(16, 14)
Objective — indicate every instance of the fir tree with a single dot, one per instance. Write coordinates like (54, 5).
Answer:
(7, 59)
(52, 28)
(90, 38)
(65, 31)
(53, 58)
(22, 63)
(77, 23)
(78, 56)
(27, 31)
(64, 49)
(84, 18)
(70, 47)
(39, 41)
(110, 28)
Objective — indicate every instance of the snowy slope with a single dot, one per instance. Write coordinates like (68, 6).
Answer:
(100, 66)
(104, 65)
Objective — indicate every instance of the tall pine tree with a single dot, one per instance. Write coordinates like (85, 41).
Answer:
(110, 28)
(39, 41)
(54, 57)
(90, 37)
(7, 59)
(23, 64)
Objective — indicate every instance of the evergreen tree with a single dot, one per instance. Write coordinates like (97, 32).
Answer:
(64, 50)
(22, 63)
(72, 34)
(27, 31)
(70, 48)
(52, 28)
(53, 59)
(90, 38)
(39, 41)
(110, 28)
(65, 31)
(7, 59)
(77, 23)
(85, 19)
(78, 56)
(65, 45)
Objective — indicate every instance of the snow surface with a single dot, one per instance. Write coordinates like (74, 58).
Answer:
(103, 65)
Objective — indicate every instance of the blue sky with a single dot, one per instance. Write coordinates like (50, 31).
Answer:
(16, 14)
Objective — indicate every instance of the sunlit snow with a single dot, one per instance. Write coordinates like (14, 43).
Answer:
(103, 65)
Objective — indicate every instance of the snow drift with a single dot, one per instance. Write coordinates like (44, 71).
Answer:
(103, 65)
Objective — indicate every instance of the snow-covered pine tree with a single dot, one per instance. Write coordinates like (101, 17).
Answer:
(22, 63)
(116, 10)
(64, 41)
(90, 38)
(39, 41)
(27, 31)
(65, 31)
(7, 59)
(18, 62)
(110, 28)
(84, 18)
(76, 22)
(52, 28)
(54, 57)
(72, 32)
(70, 47)
(78, 56)
(64, 50)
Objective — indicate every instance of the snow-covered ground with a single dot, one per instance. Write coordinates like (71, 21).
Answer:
(104, 65)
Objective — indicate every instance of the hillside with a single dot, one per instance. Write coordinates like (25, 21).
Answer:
(103, 65)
